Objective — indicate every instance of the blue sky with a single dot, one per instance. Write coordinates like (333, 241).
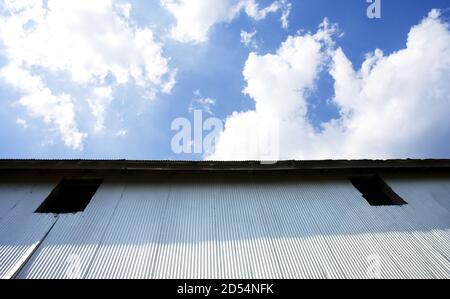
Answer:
(138, 126)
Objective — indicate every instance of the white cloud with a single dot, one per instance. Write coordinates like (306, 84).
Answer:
(194, 19)
(248, 38)
(94, 42)
(286, 12)
(395, 106)
(122, 133)
(124, 9)
(21, 122)
(56, 110)
(205, 104)
(170, 83)
(99, 101)
(87, 39)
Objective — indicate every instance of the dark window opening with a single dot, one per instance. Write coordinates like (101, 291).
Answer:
(70, 196)
(375, 190)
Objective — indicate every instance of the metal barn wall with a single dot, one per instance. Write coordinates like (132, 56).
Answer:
(297, 229)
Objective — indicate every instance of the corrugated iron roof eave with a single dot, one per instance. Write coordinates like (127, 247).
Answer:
(160, 165)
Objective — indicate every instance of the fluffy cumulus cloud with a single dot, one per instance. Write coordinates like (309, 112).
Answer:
(92, 42)
(194, 19)
(56, 110)
(394, 106)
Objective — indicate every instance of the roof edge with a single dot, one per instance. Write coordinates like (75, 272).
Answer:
(155, 165)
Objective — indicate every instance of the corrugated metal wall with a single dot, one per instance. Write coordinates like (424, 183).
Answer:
(293, 229)
(21, 231)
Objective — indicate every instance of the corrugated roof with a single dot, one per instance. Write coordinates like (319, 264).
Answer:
(176, 228)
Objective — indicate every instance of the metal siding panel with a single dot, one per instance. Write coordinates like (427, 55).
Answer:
(303, 229)
(21, 231)
(10, 196)
(350, 240)
(395, 230)
(131, 241)
(187, 238)
(300, 245)
(72, 243)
